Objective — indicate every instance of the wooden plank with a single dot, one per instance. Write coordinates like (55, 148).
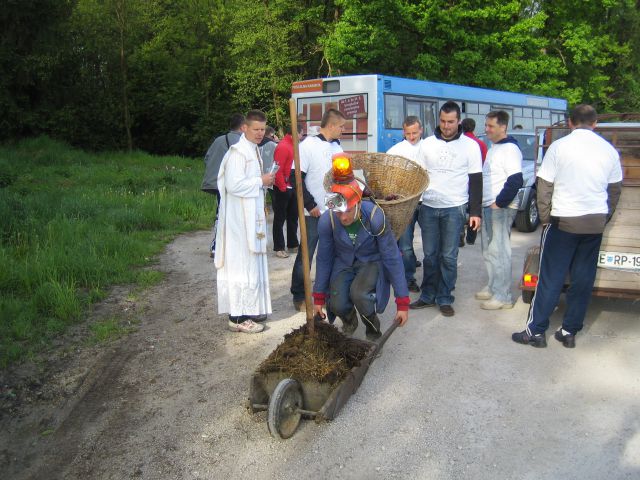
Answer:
(618, 284)
(616, 279)
(619, 245)
(631, 175)
(629, 198)
(624, 217)
(629, 159)
(623, 232)
(616, 293)
(610, 274)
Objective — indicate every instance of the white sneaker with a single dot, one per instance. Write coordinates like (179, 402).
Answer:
(484, 294)
(248, 326)
(494, 304)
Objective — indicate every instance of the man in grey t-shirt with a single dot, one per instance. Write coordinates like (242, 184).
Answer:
(212, 161)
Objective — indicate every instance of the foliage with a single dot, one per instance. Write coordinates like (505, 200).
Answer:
(75, 223)
(164, 75)
(599, 45)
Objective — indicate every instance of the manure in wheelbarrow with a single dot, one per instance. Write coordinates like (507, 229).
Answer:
(326, 357)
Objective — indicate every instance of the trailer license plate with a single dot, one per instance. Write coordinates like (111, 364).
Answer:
(620, 261)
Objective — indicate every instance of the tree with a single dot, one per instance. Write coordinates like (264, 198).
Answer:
(180, 93)
(598, 43)
(32, 35)
(373, 37)
(263, 58)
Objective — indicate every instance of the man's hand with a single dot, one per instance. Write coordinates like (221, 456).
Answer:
(494, 206)
(317, 310)
(315, 212)
(268, 178)
(474, 223)
(402, 318)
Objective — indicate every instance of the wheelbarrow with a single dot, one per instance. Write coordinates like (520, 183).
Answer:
(288, 400)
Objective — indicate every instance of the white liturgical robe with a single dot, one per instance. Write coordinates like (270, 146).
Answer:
(241, 238)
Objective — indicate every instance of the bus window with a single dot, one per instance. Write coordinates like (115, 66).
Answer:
(429, 117)
(393, 111)
(413, 109)
(353, 107)
(425, 111)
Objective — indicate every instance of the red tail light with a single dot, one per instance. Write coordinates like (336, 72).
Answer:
(530, 280)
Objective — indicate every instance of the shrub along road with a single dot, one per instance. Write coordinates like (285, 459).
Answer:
(448, 398)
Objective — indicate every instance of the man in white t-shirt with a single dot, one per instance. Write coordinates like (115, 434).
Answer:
(454, 164)
(315, 161)
(408, 148)
(579, 184)
(502, 178)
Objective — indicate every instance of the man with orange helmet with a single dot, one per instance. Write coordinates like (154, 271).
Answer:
(358, 257)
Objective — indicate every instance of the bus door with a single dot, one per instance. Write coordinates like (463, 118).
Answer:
(426, 111)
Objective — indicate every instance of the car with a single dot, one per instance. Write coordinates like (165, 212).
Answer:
(527, 219)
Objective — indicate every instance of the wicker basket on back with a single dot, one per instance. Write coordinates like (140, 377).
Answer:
(391, 175)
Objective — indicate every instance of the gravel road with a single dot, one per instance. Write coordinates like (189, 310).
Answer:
(449, 398)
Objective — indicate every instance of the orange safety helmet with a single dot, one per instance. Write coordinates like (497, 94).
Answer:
(347, 188)
(351, 192)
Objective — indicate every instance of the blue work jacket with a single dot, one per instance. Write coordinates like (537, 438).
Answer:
(375, 243)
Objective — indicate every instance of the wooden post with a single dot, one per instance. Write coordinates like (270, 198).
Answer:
(306, 268)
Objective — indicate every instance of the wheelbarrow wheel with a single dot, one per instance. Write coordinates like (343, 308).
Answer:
(285, 404)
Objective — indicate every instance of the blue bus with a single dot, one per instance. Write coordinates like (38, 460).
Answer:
(376, 105)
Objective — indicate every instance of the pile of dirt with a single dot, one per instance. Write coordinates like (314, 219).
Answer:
(325, 357)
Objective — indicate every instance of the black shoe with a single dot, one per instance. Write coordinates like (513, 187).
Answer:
(372, 324)
(538, 341)
(299, 305)
(413, 286)
(418, 263)
(568, 340)
(256, 318)
(418, 304)
(373, 336)
(350, 322)
(447, 310)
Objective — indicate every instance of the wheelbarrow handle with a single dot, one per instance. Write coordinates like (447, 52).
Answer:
(386, 335)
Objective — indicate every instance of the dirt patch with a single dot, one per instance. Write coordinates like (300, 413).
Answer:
(75, 410)
(326, 357)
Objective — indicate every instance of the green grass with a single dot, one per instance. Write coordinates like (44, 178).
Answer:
(74, 223)
(109, 329)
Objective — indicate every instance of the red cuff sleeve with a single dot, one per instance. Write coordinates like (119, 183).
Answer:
(402, 303)
(319, 298)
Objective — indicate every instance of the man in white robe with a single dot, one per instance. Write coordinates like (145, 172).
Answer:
(241, 239)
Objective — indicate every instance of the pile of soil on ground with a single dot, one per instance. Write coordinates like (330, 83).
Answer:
(325, 357)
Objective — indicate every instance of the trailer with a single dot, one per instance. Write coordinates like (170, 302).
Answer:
(618, 273)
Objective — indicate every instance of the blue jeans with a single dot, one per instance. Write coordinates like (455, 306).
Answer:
(354, 286)
(440, 228)
(562, 252)
(405, 243)
(297, 276)
(496, 250)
